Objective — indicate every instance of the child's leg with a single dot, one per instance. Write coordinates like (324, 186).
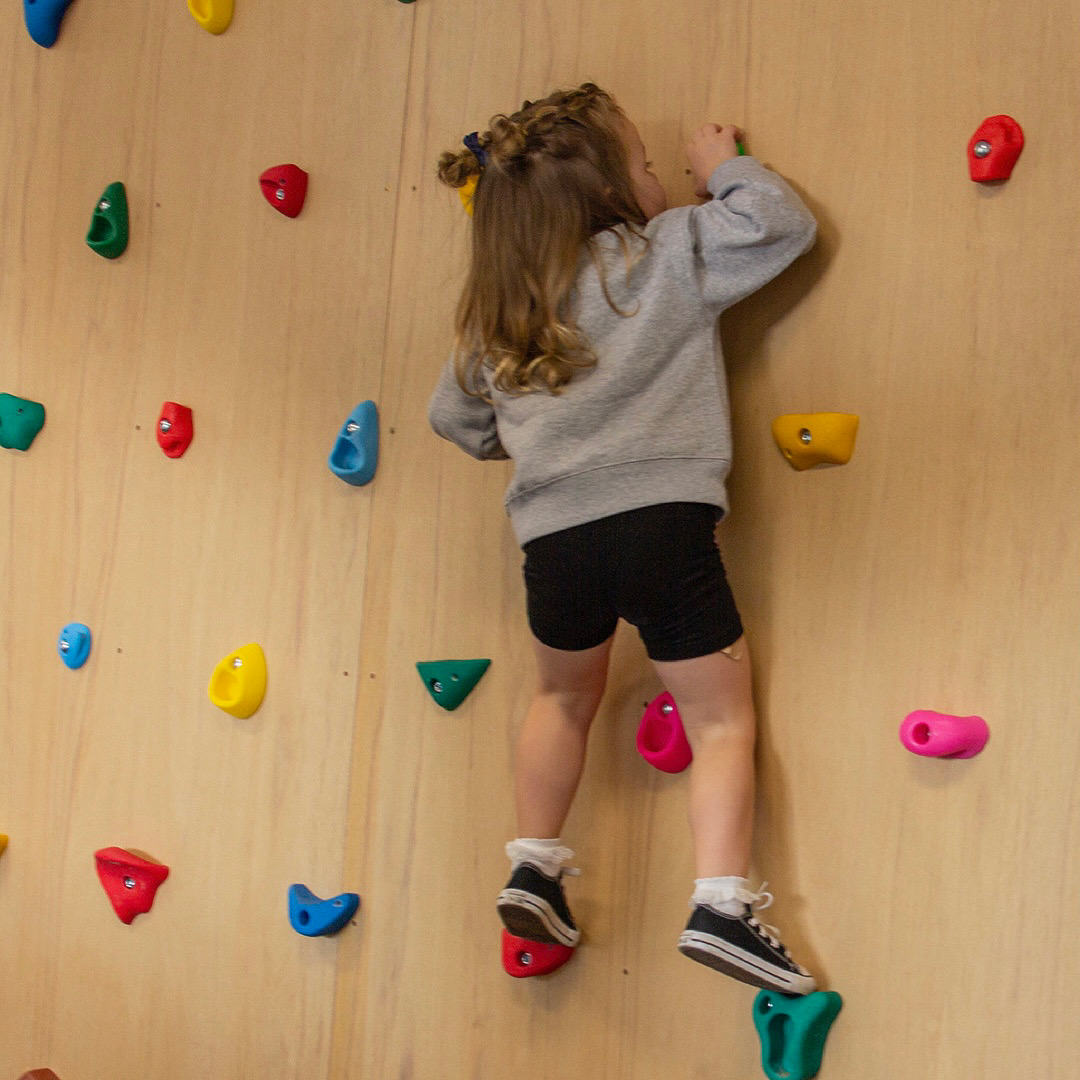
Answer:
(551, 745)
(715, 700)
(550, 757)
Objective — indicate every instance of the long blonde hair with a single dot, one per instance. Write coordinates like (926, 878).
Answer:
(555, 174)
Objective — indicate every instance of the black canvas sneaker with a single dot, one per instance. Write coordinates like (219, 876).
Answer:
(533, 906)
(740, 946)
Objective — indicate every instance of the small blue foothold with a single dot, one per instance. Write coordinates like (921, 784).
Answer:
(314, 917)
(356, 451)
(73, 644)
(43, 18)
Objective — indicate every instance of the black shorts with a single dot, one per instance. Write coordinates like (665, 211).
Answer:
(658, 568)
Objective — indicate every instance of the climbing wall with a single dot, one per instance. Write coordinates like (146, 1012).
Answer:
(936, 570)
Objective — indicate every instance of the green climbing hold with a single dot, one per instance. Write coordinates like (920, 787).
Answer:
(108, 234)
(20, 421)
(450, 682)
(793, 1032)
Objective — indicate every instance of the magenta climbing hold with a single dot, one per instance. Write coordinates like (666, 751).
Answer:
(934, 734)
(661, 740)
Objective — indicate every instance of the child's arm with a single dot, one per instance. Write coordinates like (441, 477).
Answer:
(754, 227)
(468, 422)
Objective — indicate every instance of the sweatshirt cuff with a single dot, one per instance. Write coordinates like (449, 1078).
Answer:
(745, 165)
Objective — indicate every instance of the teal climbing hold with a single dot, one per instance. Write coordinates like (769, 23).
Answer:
(450, 682)
(108, 234)
(43, 18)
(793, 1032)
(20, 421)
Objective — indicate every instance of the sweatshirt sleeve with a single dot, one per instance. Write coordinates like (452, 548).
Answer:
(754, 227)
(466, 421)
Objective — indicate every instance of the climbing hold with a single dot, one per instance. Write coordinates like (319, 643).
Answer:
(39, 1074)
(3, 843)
(285, 188)
(43, 18)
(994, 148)
(20, 421)
(356, 449)
(212, 15)
(451, 681)
(661, 740)
(934, 734)
(238, 683)
(314, 917)
(793, 1031)
(466, 193)
(130, 880)
(74, 643)
(175, 429)
(108, 234)
(523, 958)
(810, 439)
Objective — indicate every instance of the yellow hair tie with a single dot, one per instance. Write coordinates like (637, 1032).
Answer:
(466, 193)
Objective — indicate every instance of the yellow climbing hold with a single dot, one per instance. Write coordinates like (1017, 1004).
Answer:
(3, 843)
(810, 439)
(213, 15)
(238, 684)
(466, 193)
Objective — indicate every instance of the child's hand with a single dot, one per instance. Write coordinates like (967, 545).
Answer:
(710, 145)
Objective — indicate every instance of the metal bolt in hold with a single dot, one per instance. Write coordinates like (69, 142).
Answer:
(65, 645)
(525, 959)
(104, 204)
(165, 427)
(238, 663)
(982, 148)
(805, 437)
(667, 708)
(352, 427)
(437, 686)
(129, 883)
(280, 194)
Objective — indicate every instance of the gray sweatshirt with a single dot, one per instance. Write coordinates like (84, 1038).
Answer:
(650, 422)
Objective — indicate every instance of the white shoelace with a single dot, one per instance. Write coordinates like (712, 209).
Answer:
(759, 901)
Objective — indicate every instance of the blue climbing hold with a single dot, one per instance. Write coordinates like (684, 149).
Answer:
(43, 18)
(793, 1032)
(356, 450)
(73, 644)
(314, 917)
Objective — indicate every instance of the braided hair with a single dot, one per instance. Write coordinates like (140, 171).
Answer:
(548, 179)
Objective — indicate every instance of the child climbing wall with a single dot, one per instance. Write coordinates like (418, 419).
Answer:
(924, 574)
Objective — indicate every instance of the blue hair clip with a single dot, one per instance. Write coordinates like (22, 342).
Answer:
(473, 143)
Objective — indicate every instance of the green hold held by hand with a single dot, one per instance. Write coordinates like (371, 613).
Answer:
(20, 421)
(108, 234)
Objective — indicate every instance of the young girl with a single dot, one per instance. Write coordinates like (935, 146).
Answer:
(587, 352)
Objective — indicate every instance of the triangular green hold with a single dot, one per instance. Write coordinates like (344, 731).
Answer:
(793, 1032)
(20, 421)
(108, 234)
(450, 682)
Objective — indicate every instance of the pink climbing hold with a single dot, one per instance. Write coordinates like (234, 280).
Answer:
(934, 734)
(661, 740)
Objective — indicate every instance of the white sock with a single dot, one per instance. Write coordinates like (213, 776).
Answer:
(548, 856)
(728, 895)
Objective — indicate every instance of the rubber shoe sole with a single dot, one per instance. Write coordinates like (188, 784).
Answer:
(529, 916)
(717, 954)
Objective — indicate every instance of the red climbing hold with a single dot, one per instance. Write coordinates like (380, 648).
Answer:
(130, 880)
(994, 148)
(39, 1074)
(285, 187)
(523, 958)
(175, 429)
